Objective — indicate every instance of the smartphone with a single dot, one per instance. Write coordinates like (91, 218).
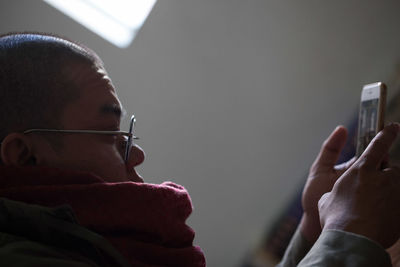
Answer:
(372, 114)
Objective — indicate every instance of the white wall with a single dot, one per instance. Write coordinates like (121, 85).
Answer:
(234, 98)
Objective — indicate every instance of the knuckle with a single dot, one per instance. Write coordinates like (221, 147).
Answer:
(362, 173)
(391, 129)
(361, 163)
(378, 141)
(365, 162)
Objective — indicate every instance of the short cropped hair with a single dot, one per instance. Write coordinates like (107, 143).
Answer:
(33, 89)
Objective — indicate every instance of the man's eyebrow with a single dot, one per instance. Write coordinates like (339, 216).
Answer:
(113, 109)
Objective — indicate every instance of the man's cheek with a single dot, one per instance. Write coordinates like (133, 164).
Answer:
(111, 155)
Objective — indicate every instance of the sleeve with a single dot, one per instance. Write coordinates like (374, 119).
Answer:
(296, 250)
(339, 248)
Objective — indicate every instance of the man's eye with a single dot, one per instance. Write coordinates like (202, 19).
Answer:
(122, 143)
(107, 137)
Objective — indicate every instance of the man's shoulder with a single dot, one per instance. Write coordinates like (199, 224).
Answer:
(49, 237)
(19, 251)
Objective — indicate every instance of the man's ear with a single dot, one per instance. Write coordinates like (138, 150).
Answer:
(16, 150)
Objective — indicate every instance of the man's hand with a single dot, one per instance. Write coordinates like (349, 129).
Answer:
(365, 199)
(322, 176)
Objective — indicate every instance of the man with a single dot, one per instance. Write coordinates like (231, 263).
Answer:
(70, 195)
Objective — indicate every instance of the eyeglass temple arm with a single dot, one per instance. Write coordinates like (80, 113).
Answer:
(80, 131)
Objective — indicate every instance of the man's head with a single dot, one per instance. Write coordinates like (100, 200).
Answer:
(51, 83)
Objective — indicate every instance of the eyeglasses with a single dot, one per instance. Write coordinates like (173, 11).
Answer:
(128, 140)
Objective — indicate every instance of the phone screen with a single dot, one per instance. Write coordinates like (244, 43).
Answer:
(367, 127)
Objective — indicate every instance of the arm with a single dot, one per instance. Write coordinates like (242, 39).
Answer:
(365, 199)
(334, 248)
(355, 217)
(338, 248)
(363, 208)
(296, 250)
(323, 174)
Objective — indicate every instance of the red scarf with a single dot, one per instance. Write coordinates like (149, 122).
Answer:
(145, 222)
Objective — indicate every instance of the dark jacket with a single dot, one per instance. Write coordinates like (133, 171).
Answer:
(33, 235)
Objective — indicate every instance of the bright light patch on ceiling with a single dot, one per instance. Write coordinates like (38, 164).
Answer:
(117, 21)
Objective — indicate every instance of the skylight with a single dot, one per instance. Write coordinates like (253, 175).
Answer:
(117, 21)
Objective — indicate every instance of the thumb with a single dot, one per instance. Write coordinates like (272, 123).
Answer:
(331, 148)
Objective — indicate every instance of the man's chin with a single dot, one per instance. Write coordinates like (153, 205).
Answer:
(135, 177)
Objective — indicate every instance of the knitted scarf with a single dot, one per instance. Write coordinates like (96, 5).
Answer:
(145, 222)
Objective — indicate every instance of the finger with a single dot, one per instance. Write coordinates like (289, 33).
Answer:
(375, 153)
(385, 161)
(331, 148)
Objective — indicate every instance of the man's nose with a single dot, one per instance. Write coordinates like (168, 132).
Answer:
(136, 156)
